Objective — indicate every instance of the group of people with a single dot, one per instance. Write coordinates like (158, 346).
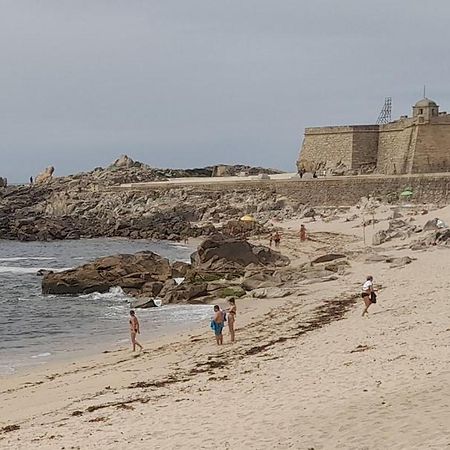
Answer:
(275, 238)
(217, 324)
(220, 317)
(229, 315)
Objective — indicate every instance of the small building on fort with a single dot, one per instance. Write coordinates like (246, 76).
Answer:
(417, 144)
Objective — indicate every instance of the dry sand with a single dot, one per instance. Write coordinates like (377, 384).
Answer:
(307, 371)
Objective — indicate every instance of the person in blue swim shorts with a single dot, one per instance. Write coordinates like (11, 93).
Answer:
(217, 324)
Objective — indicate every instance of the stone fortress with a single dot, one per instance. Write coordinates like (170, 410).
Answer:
(409, 145)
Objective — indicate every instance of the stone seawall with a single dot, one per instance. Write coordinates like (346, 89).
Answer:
(336, 191)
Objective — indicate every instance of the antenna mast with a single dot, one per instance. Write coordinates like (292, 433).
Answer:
(386, 112)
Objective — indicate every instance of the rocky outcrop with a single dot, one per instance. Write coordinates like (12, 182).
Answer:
(230, 255)
(87, 205)
(46, 175)
(124, 161)
(214, 273)
(135, 274)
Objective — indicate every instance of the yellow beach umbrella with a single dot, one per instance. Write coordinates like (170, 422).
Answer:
(247, 218)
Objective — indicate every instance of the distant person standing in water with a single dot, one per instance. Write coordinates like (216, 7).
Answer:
(134, 329)
(31, 180)
(231, 317)
(368, 294)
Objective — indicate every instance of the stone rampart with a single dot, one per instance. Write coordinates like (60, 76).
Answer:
(364, 146)
(432, 149)
(333, 191)
(396, 144)
(326, 147)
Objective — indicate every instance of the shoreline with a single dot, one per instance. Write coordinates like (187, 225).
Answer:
(307, 371)
(59, 360)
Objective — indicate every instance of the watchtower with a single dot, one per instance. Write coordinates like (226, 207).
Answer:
(425, 109)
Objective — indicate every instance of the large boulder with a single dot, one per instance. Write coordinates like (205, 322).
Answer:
(231, 255)
(135, 274)
(45, 176)
(124, 161)
(434, 224)
(186, 293)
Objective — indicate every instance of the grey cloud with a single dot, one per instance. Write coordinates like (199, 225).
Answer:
(190, 83)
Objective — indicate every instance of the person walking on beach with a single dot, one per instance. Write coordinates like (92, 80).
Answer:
(302, 233)
(231, 317)
(217, 324)
(368, 294)
(134, 329)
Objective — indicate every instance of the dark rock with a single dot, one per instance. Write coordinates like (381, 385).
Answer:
(186, 293)
(227, 255)
(144, 303)
(127, 271)
(399, 261)
(43, 272)
(309, 212)
(257, 280)
(380, 237)
(328, 257)
(152, 288)
(338, 266)
(180, 269)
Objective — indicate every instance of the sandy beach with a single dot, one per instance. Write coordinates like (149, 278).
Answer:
(307, 371)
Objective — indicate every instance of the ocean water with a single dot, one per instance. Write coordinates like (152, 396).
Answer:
(37, 329)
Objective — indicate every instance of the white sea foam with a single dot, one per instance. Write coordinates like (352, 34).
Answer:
(115, 293)
(34, 270)
(28, 258)
(179, 245)
(42, 355)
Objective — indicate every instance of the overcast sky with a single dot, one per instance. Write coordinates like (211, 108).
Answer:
(189, 83)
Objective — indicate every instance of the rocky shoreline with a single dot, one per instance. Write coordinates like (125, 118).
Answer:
(86, 205)
(221, 267)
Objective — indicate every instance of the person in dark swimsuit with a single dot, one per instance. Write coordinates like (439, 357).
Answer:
(231, 318)
(134, 329)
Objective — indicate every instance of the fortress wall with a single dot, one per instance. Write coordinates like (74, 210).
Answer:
(326, 147)
(365, 145)
(394, 144)
(432, 153)
(334, 191)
